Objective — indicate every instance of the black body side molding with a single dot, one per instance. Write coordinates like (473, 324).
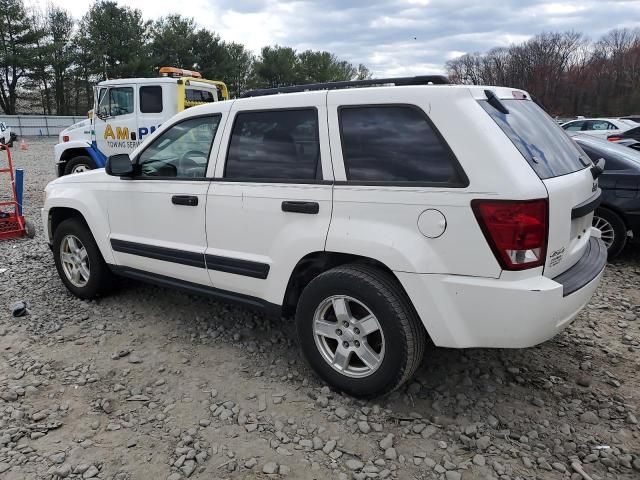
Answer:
(246, 268)
(268, 308)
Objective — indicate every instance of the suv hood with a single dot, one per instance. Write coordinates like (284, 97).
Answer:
(92, 176)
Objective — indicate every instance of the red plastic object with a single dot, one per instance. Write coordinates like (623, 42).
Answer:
(12, 224)
(515, 230)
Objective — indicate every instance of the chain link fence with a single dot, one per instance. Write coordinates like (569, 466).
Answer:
(39, 125)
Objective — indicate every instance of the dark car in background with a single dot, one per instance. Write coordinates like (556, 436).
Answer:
(632, 134)
(618, 216)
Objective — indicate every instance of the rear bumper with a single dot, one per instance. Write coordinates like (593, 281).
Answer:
(464, 312)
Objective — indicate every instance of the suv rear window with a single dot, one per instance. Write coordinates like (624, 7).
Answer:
(549, 151)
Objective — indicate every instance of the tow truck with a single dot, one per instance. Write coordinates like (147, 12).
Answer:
(126, 111)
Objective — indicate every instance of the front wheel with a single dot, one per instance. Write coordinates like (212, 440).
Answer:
(613, 230)
(78, 260)
(79, 164)
(358, 330)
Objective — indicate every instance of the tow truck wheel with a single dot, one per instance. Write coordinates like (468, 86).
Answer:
(79, 164)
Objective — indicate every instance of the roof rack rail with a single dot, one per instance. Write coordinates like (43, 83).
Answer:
(419, 80)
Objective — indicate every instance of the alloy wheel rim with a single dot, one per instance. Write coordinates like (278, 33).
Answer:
(75, 261)
(607, 233)
(348, 336)
(80, 168)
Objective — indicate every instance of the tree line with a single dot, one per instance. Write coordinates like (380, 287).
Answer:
(49, 62)
(568, 73)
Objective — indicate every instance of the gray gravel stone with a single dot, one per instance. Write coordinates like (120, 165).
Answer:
(91, 472)
(270, 468)
(386, 442)
(589, 417)
(354, 464)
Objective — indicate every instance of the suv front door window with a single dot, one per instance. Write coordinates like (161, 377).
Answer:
(182, 151)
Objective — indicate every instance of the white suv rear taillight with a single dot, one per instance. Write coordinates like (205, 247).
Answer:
(516, 230)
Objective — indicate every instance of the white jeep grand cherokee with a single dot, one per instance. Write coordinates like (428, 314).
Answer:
(379, 217)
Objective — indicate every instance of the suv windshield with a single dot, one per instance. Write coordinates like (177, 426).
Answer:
(549, 151)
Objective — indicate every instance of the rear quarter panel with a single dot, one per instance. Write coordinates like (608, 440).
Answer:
(381, 222)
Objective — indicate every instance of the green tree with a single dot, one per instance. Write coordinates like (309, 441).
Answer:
(18, 42)
(237, 68)
(115, 39)
(317, 67)
(173, 42)
(276, 67)
(38, 77)
(209, 53)
(363, 73)
(60, 27)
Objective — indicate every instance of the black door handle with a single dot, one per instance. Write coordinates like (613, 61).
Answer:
(301, 207)
(189, 200)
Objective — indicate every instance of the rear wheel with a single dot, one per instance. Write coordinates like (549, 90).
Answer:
(358, 330)
(79, 261)
(79, 164)
(613, 230)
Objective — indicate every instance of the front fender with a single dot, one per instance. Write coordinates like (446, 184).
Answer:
(91, 202)
(60, 148)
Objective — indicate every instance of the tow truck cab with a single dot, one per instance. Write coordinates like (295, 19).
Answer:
(128, 110)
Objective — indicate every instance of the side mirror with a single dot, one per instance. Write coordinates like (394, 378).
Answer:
(119, 165)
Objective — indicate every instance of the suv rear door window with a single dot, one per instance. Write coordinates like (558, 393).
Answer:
(549, 151)
(274, 145)
(394, 143)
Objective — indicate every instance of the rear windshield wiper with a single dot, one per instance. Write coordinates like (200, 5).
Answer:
(495, 102)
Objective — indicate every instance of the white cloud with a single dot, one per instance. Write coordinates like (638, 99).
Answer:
(389, 36)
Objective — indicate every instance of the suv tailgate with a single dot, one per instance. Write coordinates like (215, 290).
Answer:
(561, 165)
(572, 200)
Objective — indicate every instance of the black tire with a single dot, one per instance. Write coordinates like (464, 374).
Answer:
(618, 230)
(404, 335)
(76, 162)
(29, 229)
(100, 278)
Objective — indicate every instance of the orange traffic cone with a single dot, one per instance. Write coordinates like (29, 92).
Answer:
(23, 145)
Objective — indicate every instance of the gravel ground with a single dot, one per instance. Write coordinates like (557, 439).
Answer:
(153, 384)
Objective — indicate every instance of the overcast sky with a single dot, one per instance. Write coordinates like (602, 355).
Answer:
(393, 37)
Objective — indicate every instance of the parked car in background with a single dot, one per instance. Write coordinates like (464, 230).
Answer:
(7, 137)
(601, 127)
(598, 126)
(633, 118)
(618, 216)
(633, 133)
(628, 142)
